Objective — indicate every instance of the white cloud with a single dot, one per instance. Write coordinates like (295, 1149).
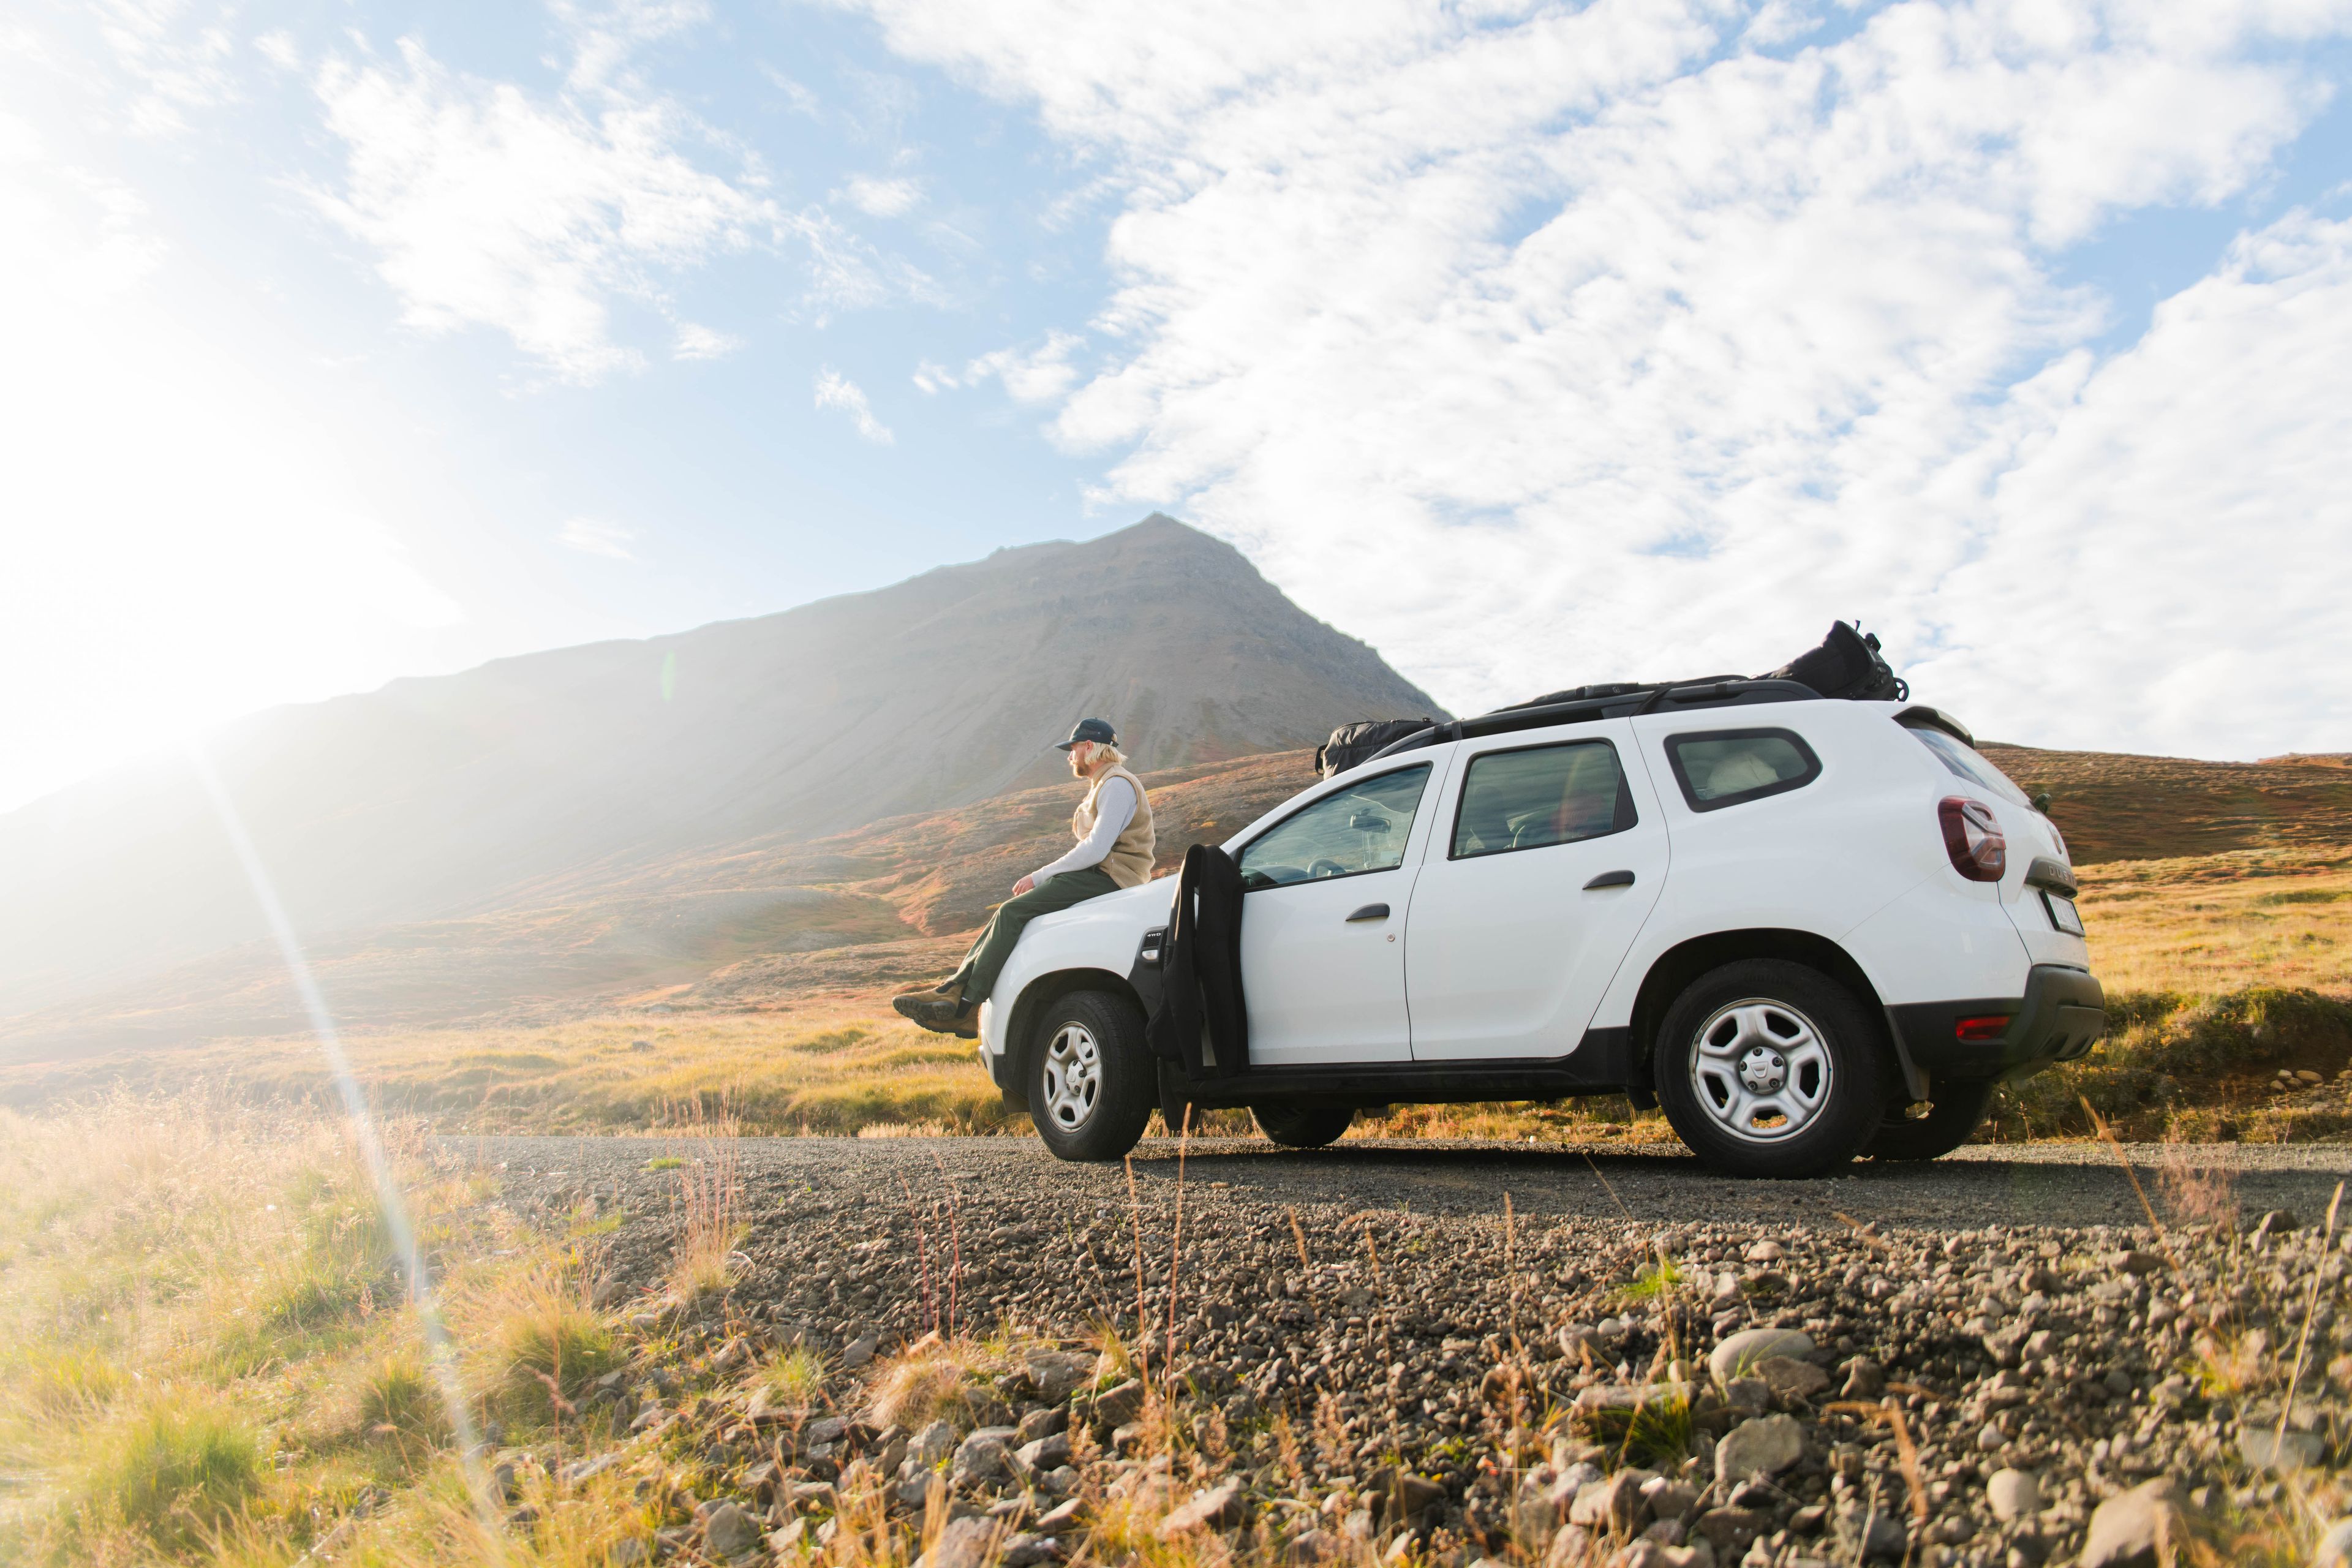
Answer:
(2175, 528)
(1567, 345)
(1040, 374)
(834, 390)
(884, 198)
(592, 537)
(277, 46)
(489, 207)
(694, 342)
(178, 53)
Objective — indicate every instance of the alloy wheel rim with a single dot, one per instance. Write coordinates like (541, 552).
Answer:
(1761, 1069)
(1073, 1077)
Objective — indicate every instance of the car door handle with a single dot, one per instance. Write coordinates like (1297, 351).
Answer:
(1610, 879)
(1371, 912)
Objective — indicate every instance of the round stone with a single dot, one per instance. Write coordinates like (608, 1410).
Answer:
(2014, 1495)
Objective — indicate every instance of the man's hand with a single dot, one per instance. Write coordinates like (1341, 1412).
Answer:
(1026, 884)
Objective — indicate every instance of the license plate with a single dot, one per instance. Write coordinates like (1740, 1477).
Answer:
(2064, 914)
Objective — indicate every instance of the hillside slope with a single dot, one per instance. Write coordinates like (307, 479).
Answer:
(2112, 805)
(463, 795)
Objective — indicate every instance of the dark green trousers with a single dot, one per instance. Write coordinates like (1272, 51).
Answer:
(986, 960)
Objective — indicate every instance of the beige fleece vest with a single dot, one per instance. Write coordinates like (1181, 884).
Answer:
(1129, 861)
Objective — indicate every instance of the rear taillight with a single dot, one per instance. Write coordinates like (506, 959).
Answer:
(1972, 839)
(1985, 1026)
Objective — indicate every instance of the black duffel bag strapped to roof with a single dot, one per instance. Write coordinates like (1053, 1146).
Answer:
(1353, 743)
(1847, 664)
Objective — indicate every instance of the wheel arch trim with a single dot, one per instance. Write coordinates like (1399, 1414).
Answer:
(1041, 992)
(1673, 970)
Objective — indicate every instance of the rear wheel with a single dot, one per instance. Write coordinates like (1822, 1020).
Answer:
(1958, 1110)
(1302, 1126)
(1768, 1069)
(1091, 1081)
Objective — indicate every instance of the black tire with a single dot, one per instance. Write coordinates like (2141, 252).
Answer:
(1173, 1100)
(1114, 1095)
(1302, 1126)
(1775, 1035)
(1957, 1111)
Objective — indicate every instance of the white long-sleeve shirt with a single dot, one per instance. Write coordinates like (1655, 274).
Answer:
(1114, 809)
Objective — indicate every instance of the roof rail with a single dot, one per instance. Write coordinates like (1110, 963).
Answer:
(1731, 693)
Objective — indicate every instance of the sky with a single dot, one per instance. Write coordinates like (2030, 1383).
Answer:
(1535, 344)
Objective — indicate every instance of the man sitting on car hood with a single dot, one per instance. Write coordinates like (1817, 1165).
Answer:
(1113, 827)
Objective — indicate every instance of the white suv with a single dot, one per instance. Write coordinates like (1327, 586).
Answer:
(1809, 929)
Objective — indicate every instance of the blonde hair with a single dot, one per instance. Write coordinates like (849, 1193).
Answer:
(1107, 749)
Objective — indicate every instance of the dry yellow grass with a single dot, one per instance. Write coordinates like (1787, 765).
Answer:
(823, 1070)
(2215, 923)
(207, 1351)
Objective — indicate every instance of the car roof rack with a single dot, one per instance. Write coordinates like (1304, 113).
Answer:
(1667, 697)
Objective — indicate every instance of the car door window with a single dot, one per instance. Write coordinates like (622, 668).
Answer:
(1361, 828)
(1537, 796)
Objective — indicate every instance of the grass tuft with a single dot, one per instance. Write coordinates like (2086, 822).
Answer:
(173, 1473)
(794, 1381)
(931, 1379)
(395, 1398)
(552, 1347)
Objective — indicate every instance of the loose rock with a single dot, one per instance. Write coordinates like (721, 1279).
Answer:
(1741, 1350)
(2014, 1495)
(962, 1544)
(729, 1531)
(1214, 1508)
(1763, 1447)
(2132, 1529)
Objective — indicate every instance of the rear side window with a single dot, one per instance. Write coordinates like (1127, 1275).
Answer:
(1537, 796)
(1967, 763)
(1731, 767)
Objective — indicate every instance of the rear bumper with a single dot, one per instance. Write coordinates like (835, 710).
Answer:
(2062, 1013)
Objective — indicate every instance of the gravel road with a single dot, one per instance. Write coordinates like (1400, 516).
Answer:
(1012, 1179)
(1969, 1363)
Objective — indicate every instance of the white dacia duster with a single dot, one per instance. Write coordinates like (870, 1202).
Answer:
(1809, 929)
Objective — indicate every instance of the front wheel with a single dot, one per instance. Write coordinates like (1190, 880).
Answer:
(1302, 1126)
(1770, 1068)
(1958, 1110)
(1092, 1084)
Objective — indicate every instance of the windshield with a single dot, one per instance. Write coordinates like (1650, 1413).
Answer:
(1356, 829)
(1967, 763)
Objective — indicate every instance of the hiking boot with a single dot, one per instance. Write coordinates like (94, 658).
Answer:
(943, 1015)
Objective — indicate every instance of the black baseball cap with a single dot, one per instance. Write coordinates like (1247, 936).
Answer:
(1096, 730)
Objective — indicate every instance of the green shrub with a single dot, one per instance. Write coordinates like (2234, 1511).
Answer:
(553, 1347)
(60, 1383)
(2164, 1051)
(174, 1473)
(397, 1398)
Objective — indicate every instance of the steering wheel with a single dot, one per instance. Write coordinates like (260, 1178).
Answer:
(1326, 867)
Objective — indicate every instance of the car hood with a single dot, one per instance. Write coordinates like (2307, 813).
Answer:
(1139, 907)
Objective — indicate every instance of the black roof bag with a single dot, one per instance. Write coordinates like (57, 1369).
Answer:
(1358, 742)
